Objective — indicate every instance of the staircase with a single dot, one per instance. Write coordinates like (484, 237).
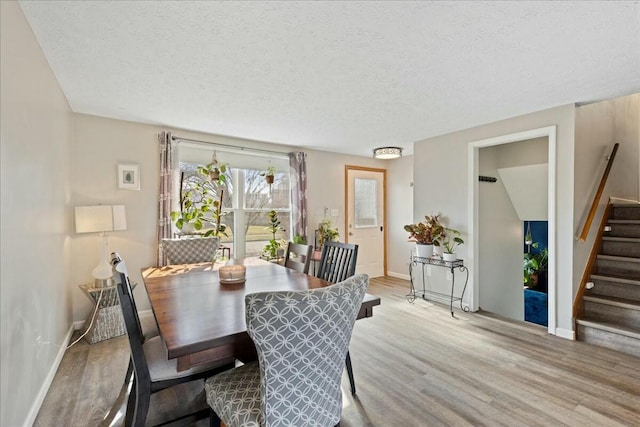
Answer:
(612, 307)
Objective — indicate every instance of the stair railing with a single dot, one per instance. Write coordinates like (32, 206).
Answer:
(578, 303)
(596, 198)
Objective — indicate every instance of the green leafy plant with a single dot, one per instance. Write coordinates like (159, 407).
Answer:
(270, 250)
(452, 240)
(199, 205)
(326, 232)
(427, 232)
(533, 265)
(299, 239)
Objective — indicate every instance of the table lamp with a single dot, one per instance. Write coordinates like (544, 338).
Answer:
(101, 219)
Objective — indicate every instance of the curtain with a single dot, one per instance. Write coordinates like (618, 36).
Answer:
(298, 176)
(169, 182)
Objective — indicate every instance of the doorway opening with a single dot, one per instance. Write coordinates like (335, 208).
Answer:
(487, 254)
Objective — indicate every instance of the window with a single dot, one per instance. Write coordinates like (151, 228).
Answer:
(247, 198)
(366, 213)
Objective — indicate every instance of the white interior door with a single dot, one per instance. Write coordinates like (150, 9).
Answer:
(365, 218)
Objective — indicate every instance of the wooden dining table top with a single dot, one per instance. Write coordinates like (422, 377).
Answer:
(196, 313)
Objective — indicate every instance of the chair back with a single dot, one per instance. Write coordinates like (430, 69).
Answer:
(337, 262)
(190, 250)
(302, 338)
(301, 263)
(131, 321)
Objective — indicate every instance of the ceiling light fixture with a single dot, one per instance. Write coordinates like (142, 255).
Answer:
(387, 153)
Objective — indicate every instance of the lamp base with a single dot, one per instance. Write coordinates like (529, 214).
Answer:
(104, 283)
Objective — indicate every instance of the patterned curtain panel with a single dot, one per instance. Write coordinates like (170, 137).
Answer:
(169, 192)
(298, 176)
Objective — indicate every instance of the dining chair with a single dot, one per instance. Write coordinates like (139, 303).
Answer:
(303, 259)
(337, 262)
(190, 250)
(152, 370)
(301, 338)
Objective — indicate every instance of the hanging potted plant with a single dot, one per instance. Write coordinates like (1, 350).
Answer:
(451, 242)
(426, 234)
(269, 174)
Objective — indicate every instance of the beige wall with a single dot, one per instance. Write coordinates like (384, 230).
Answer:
(441, 185)
(100, 143)
(35, 310)
(399, 213)
(598, 127)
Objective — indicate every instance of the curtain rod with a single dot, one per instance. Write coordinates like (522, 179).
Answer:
(235, 147)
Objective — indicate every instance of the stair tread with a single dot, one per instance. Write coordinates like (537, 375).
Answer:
(615, 301)
(618, 258)
(610, 327)
(613, 278)
(624, 221)
(621, 239)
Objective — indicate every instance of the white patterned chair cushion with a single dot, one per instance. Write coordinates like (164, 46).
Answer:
(302, 339)
(190, 250)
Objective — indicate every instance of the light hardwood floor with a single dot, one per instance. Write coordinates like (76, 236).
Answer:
(415, 365)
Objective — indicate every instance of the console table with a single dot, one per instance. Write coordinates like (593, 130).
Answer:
(438, 262)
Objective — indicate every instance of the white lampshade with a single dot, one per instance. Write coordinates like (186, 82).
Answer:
(100, 219)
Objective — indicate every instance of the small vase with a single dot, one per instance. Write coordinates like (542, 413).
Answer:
(449, 257)
(424, 251)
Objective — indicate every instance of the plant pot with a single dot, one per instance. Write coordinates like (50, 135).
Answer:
(424, 251)
(279, 252)
(215, 174)
(269, 179)
(449, 257)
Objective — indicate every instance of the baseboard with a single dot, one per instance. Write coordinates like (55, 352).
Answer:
(145, 313)
(78, 325)
(566, 334)
(398, 275)
(35, 408)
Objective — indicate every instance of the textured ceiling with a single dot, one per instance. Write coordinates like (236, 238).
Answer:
(336, 76)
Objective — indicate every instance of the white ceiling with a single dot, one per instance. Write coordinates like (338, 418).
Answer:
(337, 76)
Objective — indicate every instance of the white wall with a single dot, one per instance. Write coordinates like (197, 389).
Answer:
(100, 143)
(446, 156)
(35, 134)
(399, 213)
(598, 127)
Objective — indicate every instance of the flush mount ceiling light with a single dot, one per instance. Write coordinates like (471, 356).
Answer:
(387, 152)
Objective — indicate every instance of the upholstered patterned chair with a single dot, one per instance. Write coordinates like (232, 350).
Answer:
(190, 250)
(302, 339)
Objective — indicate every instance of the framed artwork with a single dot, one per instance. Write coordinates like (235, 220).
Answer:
(128, 176)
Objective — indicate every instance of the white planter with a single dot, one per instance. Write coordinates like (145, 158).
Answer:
(449, 257)
(424, 251)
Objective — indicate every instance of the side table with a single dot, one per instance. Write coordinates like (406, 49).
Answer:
(108, 321)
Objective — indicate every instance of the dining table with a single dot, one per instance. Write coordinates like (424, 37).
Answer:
(202, 320)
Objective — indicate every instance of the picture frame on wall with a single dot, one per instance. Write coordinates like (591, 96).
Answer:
(128, 176)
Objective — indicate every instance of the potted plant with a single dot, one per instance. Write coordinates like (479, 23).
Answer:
(269, 174)
(273, 249)
(326, 232)
(535, 268)
(426, 234)
(451, 242)
(198, 205)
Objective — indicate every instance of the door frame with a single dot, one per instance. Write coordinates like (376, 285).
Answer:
(347, 168)
(473, 214)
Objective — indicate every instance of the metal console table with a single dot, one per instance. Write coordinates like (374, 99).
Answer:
(438, 262)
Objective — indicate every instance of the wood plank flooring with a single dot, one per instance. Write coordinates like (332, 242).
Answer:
(415, 365)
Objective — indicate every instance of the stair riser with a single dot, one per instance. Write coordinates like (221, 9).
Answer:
(609, 339)
(627, 249)
(612, 314)
(627, 212)
(624, 230)
(607, 267)
(615, 289)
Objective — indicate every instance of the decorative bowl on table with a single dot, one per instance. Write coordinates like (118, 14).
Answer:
(232, 274)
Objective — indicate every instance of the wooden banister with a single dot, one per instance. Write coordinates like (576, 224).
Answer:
(596, 199)
(578, 304)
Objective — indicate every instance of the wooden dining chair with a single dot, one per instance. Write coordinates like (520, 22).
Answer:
(152, 370)
(302, 258)
(337, 262)
(301, 338)
(190, 250)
